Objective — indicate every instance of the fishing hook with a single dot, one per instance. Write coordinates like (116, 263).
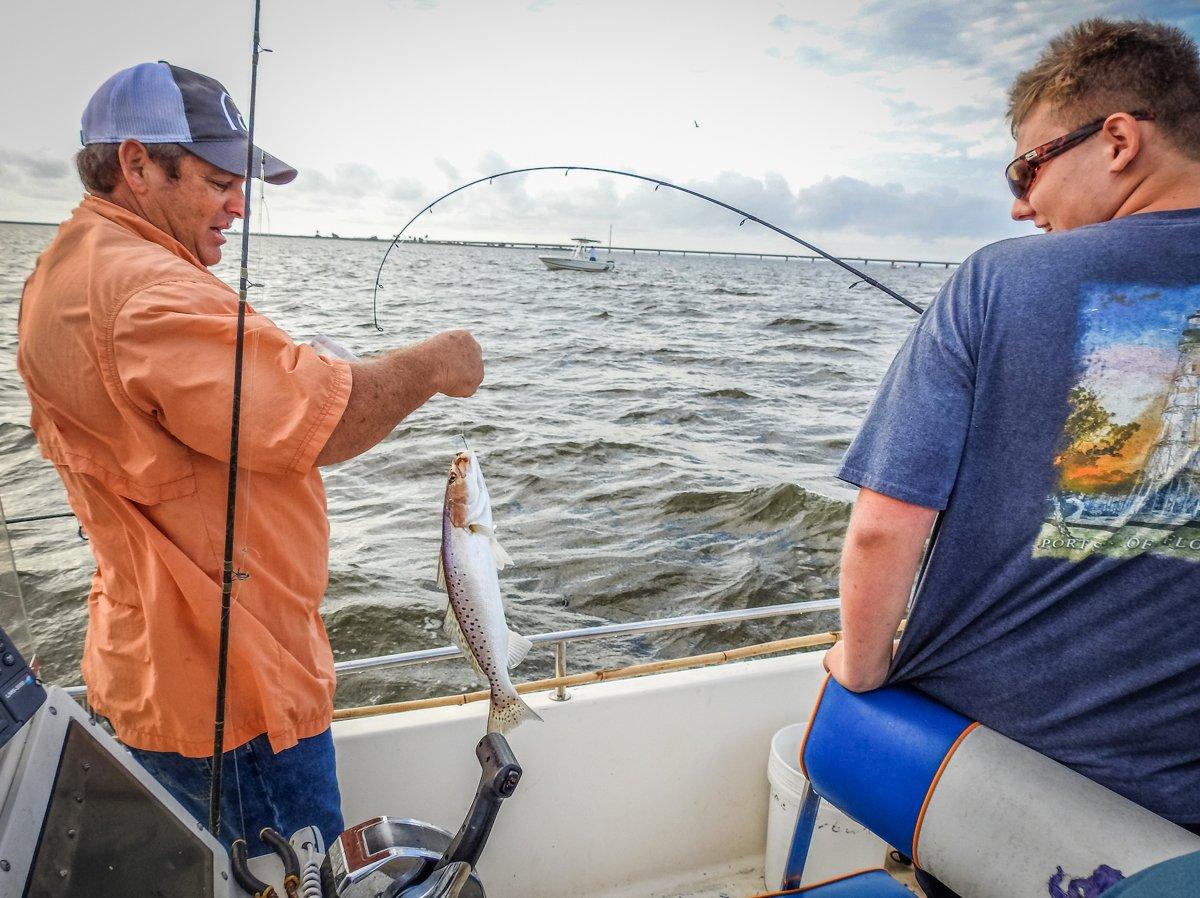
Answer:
(658, 182)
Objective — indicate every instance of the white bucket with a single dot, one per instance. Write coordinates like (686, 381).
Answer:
(839, 844)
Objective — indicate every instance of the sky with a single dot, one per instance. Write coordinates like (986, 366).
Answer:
(1129, 344)
(870, 127)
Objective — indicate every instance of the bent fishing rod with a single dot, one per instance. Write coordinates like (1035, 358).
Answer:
(657, 182)
(227, 571)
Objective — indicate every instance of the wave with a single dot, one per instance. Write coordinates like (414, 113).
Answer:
(526, 461)
(671, 415)
(805, 324)
(733, 291)
(784, 503)
(14, 436)
(727, 394)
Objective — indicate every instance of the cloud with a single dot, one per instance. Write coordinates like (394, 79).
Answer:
(842, 205)
(889, 210)
(451, 173)
(940, 70)
(14, 164)
(924, 116)
(351, 180)
(36, 187)
(491, 162)
(993, 39)
(351, 190)
(406, 190)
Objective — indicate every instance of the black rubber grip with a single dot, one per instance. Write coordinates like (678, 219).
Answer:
(283, 848)
(241, 872)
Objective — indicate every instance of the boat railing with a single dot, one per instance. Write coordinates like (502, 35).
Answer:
(561, 638)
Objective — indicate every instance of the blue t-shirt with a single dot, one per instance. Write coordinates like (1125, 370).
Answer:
(1049, 401)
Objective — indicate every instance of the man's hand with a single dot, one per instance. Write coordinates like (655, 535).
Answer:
(459, 362)
(833, 659)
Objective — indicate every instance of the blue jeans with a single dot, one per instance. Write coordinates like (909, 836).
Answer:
(286, 791)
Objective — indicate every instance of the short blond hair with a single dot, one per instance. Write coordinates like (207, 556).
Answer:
(1100, 66)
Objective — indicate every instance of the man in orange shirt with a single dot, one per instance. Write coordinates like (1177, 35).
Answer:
(126, 348)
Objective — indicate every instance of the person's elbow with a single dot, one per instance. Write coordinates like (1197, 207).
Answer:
(879, 536)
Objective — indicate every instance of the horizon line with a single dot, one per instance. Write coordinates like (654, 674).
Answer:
(524, 244)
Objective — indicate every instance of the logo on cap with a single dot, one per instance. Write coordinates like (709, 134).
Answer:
(226, 102)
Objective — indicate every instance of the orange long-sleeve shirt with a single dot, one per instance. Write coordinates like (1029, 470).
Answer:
(126, 348)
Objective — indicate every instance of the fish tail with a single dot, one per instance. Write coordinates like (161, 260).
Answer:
(508, 711)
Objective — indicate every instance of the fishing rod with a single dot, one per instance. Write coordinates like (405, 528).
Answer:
(227, 575)
(657, 182)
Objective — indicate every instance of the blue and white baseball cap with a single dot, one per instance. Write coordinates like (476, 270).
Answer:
(156, 102)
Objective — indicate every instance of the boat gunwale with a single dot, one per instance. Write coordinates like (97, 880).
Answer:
(582, 634)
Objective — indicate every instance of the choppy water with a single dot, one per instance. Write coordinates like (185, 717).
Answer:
(659, 440)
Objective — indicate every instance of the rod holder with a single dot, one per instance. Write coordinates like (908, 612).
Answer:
(560, 671)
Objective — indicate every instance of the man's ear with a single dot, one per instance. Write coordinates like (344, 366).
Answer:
(1124, 139)
(135, 165)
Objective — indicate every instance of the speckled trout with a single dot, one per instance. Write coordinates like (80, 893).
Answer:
(467, 568)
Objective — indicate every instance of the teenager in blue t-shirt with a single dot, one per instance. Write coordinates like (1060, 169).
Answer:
(1047, 404)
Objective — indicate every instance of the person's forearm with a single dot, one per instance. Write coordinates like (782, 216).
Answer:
(384, 391)
(882, 553)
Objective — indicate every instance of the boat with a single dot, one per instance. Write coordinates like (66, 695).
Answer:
(641, 786)
(583, 258)
(643, 782)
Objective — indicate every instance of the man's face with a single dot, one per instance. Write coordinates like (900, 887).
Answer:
(1073, 189)
(198, 207)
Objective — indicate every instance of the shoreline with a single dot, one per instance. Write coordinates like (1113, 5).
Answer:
(561, 247)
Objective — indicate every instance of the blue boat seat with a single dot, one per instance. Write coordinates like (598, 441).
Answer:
(947, 792)
(864, 884)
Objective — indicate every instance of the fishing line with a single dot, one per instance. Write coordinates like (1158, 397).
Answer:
(658, 182)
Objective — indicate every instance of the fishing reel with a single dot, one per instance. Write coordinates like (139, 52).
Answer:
(388, 857)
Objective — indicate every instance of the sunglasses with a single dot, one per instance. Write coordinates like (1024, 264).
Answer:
(1022, 170)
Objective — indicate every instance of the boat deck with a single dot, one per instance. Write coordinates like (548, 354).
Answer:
(744, 880)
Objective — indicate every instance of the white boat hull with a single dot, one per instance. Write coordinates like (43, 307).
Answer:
(562, 263)
(647, 787)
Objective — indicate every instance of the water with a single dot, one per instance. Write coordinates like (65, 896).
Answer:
(659, 440)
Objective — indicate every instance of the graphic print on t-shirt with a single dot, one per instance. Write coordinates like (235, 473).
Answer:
(1128, 466)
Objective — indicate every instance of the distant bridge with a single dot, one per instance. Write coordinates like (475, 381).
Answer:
(648, 250)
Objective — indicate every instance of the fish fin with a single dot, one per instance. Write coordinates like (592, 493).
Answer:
(503, 559)
(509, 712)
(518, 648)
(441, 574)
(451, 628)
